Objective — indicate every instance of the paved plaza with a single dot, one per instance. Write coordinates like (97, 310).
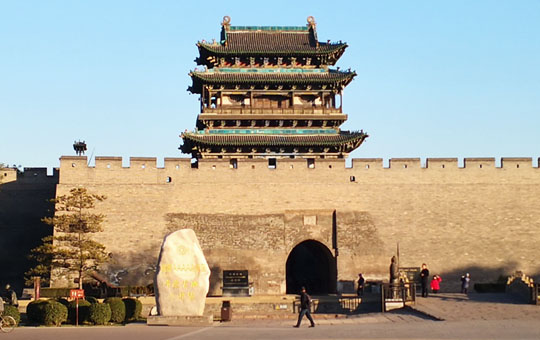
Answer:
(445, 316)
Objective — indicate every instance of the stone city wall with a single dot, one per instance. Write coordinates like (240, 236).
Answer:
(478, 218)
(24, 201)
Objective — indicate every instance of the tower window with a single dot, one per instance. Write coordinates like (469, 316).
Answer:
(272, 164)
(311, 163)
(233, 164)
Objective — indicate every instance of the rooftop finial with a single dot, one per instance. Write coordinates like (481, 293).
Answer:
(226, 21)
(311, 21)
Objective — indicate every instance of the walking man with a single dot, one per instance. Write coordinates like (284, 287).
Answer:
(305, 306)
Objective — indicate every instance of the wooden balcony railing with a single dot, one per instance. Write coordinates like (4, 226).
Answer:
(276, 111)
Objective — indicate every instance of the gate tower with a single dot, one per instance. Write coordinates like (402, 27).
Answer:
(269, 92)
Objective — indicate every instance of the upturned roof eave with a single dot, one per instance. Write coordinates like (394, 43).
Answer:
(220, 50)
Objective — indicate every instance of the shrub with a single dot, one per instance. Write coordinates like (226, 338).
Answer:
(133, 309)
(100, 313)
(54, 313)
(12, 311)
(84, 311)
(118, 309)
(63, 301)
(35, 311)
(92, 299)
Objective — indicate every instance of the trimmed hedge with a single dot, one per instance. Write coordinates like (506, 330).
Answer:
(10, 310)
(84, 311)
(100, 313)
(133, 309)
(35, 311)
(63, 301)
(118, 309)
(46, 312)
(54, 314)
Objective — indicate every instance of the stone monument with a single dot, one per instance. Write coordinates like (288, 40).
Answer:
(181, 282)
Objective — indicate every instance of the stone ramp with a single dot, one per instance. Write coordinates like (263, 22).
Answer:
(475, 306)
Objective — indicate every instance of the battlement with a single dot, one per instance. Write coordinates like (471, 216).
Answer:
(150, 163)
(28, 176)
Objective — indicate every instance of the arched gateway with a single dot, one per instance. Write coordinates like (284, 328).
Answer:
(311, 264)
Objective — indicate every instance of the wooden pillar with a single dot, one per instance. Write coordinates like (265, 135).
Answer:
(203, 98)
(251, 101)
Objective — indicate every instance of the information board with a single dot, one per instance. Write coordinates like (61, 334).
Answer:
(412, 273)
(235, 278)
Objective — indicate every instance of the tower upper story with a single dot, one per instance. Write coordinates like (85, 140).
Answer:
(269, 92)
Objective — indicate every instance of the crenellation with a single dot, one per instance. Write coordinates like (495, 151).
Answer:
(405, 163)
(442, 163)
(184, 164)
(143, 162)
(177, 163)
(516, 162)
(108, 162)
(37, 175)
(479, 163)
(8, 175)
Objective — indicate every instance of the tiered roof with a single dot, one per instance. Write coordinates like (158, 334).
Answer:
(271, 76)
(279, 41)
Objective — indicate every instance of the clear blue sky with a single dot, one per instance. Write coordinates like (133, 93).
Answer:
(435, 78)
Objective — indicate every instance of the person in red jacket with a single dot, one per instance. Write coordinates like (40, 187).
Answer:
(435, 283)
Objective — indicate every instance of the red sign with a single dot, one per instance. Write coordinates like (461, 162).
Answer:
(76, 293)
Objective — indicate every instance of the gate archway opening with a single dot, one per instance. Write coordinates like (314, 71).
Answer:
(312, 265)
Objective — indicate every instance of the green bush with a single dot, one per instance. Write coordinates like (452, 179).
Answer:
(54, 313)
(100, 313)
(12, 311)
(63, 301)
(91, 299)
(35, 311)
(46, 312)
(133, 309)
(84, 311)
(118, 309)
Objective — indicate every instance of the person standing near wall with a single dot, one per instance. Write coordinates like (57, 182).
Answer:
(465, 281)
(436, 284)
(361, 282)
(424, 277)
(305, 306)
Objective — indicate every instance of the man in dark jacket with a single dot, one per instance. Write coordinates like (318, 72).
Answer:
(10, 297)
(305, 306)
(424, 277)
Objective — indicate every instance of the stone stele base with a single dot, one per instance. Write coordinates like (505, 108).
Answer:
(180, 320)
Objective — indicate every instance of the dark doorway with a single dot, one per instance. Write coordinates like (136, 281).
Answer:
(311, 264)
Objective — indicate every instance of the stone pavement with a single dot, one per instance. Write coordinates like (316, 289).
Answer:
(476, 306)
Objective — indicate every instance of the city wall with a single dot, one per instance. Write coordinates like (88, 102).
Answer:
(478, 218)
(24, 201)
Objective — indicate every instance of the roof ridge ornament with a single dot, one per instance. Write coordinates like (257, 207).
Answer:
(312, 25)
(311, 21)
(226, 21)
